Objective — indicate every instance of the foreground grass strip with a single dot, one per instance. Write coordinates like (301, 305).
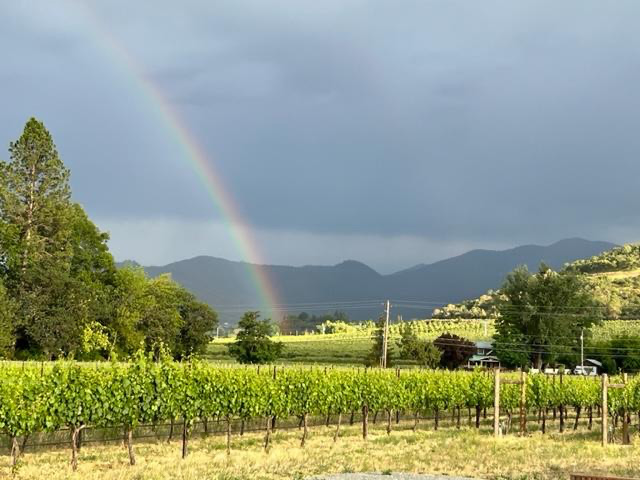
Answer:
(465, 452)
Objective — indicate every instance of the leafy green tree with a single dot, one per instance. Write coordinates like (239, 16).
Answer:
(7, 311)
(253, 344)
(620, 353)
(198, 324)
(541, 315)
(413, 348)
(54, 260)
(455, 350)
(129, 301)
(161, 322)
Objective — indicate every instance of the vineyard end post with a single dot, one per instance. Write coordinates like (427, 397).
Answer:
(604, 409)
(496, 403)
(523, 400)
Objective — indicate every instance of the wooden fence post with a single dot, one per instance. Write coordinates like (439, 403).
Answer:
(523, 400)
(496, 403)
(605, 409)
(626, 437)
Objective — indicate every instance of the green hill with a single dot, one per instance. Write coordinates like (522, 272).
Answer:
(613, 276)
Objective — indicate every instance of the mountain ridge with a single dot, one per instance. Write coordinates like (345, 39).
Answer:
(223, 283)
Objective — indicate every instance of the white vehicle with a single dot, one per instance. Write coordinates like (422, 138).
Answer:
(585, 370)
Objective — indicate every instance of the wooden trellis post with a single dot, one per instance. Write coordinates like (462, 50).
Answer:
(523, 401)
(604, 409)
(496, 403)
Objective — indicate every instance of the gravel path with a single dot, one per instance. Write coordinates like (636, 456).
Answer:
(381, 476)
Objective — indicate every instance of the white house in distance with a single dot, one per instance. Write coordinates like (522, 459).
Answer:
(484, 356)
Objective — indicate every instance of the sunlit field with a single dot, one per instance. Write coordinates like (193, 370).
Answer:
(353, 348)
(450, 451)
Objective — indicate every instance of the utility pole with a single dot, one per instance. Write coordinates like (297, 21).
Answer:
(582, 351)
(385, 332)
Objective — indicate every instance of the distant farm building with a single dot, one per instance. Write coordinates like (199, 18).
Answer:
(484, 356)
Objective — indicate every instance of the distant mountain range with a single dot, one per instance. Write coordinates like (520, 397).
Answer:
(229, 287)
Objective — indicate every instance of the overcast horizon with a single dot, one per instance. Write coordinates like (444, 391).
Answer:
(392, 133)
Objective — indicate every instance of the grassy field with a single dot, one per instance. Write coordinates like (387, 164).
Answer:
(321, 349)
(352, 348)
(449, 451)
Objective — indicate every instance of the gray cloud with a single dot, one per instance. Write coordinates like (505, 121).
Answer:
(490, 123)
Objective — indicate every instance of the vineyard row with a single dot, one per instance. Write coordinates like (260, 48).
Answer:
(73, 396)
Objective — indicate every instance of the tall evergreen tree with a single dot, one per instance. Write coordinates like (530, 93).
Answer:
(34, 198)
(7, 312)
(35, 233)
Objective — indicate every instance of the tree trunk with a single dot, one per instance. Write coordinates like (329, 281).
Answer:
(242, 427)
(388, 422)
(15, 452)
(185, 438)
(478, 410)
(544, 421)
(626, 438)
(274, 422)
(352, 419)
(436, 419)
(267, 437)
(561, 412)
(575, 424)
(397, 417)
(458, 419)
(24, 443)
(170, 437)
(205, 423)
(484, 413)
(228, 421)
(470, 416)
(132, 455)
(375, 417)
(74, 446)
(304, 431)
(335, 437)
(365, 422)
(30, 210)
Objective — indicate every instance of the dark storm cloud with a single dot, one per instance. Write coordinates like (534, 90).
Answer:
(499, 122)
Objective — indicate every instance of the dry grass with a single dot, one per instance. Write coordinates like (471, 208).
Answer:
(465, 452)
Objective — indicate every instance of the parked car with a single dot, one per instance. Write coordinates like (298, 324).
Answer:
(585, 370)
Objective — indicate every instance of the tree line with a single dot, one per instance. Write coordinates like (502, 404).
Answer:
(61, 294)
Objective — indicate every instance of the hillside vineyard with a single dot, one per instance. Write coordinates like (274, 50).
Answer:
(67, 395)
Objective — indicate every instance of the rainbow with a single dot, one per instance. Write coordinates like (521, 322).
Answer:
(200, 162)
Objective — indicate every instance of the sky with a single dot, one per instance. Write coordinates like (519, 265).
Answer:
(391, 132)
